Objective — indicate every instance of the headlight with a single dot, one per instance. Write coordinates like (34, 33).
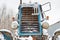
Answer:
(45, 25)
(14, 26)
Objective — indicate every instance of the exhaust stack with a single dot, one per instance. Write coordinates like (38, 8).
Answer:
(20, 1)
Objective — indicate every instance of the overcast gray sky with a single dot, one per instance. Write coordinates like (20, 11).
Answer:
(54, 14)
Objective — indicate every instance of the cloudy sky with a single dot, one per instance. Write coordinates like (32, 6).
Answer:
(54, 14)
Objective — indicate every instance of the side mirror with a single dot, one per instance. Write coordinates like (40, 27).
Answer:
(46, 7)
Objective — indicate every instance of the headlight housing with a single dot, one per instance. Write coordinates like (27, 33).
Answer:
(14, 25)
(45, 25)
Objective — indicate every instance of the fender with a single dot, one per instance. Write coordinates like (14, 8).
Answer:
(54, 28)
(7, 34)
(56, 31)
